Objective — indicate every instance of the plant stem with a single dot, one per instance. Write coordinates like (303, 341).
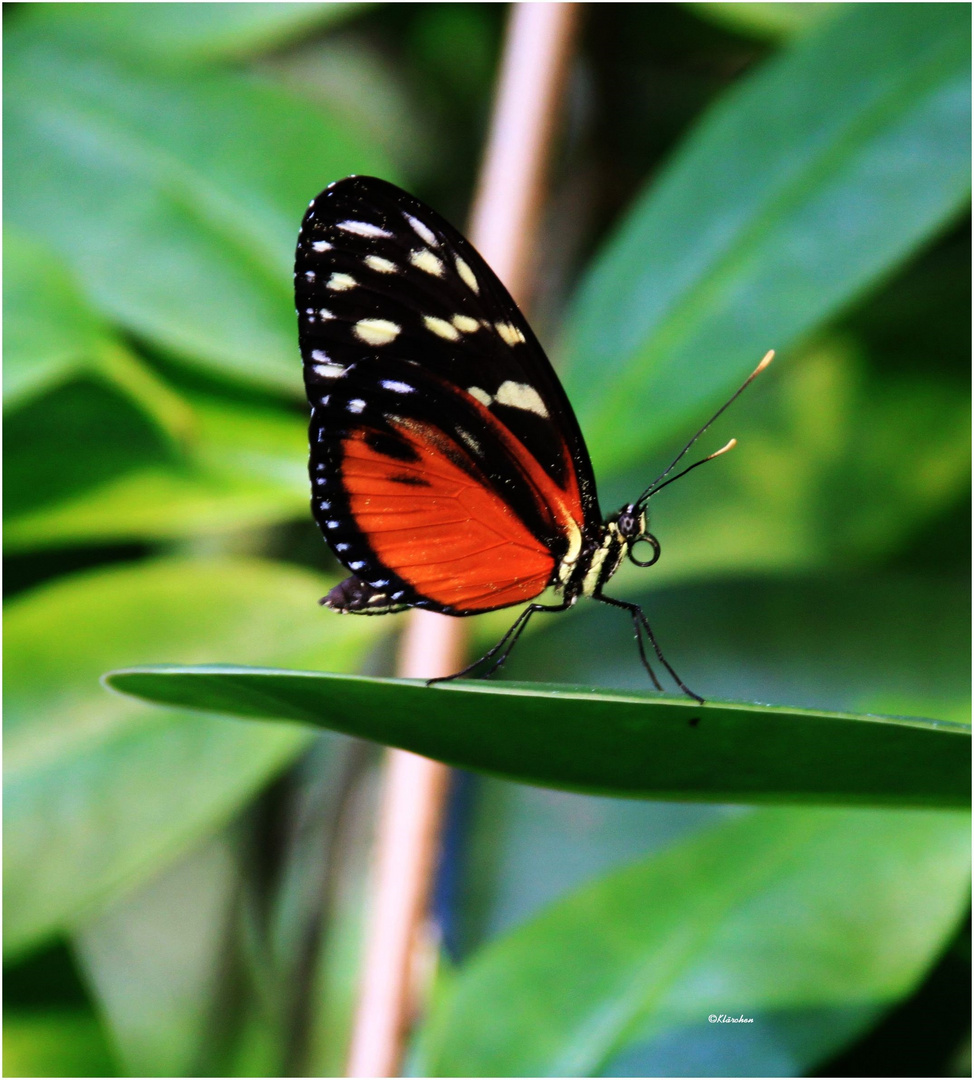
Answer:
(503, 225)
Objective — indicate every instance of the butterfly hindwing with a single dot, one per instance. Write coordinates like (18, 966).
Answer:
(448, 470)
(423, 493)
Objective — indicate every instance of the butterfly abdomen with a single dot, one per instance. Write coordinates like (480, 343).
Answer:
(355, 596)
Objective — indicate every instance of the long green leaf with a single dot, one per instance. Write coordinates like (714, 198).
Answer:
(783, 908)
(803, 186)
(100, 793)
(245, 467)
(635, 745)
(237, 466)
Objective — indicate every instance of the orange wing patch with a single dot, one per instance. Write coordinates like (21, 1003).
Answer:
(451, 538)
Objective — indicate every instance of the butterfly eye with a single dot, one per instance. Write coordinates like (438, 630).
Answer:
(648, 538)
(628, 523)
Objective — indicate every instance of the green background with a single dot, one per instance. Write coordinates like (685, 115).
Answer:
(184, 891)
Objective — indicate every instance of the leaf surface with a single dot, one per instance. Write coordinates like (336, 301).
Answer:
(802, 187)
(601, 742)
(101, 793)
(177, 199)
(778, 909)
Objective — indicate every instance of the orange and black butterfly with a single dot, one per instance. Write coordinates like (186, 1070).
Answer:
(448, 470)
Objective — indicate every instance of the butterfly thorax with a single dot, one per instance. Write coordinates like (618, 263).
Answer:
(600, 558)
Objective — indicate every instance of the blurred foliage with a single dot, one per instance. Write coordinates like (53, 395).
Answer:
(183, 894)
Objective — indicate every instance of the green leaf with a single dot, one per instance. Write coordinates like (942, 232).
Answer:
(892, 643)
(527, 847)
(240, 466)
(49, 330)
(65, 1042)
(799, 190)
(178, 199)
(773, 21)
(624, 744)
(896, 643)
(819, 478)
(168, 938)
(367, 90)
(152, 464)
(778, 1042)
(72, 440)
(175, 33)
(100, 794)
(783, 908)
(157, 505)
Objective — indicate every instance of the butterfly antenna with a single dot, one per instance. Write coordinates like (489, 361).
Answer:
(656, 485)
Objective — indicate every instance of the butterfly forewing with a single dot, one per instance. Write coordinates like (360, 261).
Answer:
(448, 470)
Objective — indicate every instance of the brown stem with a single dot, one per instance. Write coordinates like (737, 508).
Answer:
(503, 225)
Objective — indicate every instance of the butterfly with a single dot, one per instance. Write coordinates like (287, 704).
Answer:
(448, 470)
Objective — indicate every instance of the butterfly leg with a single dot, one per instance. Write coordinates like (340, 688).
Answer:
(504, 646)
(640, 622)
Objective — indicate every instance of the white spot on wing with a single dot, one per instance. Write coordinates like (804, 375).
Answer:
(520, 396)
(376, 331)
(469, 440)
(321, 245)
(357, 565)
(510, 333)
(324, 314)
(481, 395)
(468, 275)
(465, 324)
(441, 327)
(398, 387)
(363, 228)
(356, 405)
(341, 282)
(309, 275)
(422, 230)
(320, 357)
(328, 371)
(425, 260)
(380, 265)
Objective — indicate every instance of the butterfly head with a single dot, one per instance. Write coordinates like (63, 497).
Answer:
(633, 527)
